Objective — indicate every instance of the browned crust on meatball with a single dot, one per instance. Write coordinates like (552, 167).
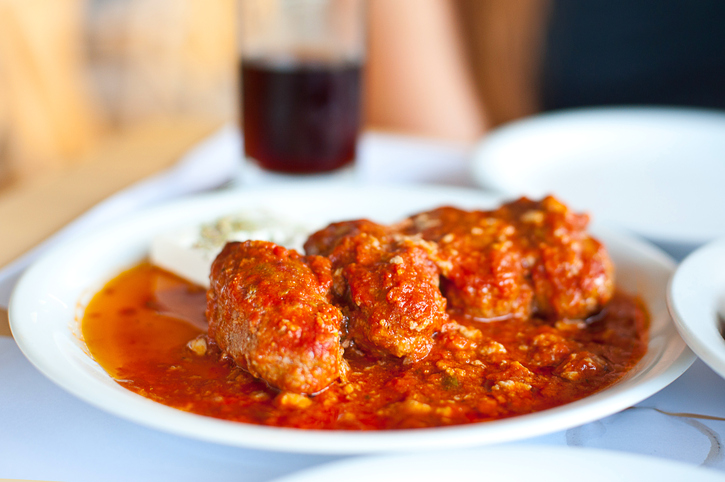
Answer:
(268, 308)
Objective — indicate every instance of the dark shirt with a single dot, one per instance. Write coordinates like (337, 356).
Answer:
(647, 52)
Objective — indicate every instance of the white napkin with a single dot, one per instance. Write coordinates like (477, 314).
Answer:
(211, 163)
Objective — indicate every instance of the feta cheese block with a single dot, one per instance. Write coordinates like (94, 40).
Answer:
(189, 252)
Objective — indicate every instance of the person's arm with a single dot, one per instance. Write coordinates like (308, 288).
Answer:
(418, 78)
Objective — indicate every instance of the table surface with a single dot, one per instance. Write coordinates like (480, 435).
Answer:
(47, 434)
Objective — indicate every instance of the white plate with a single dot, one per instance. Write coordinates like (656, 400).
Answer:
(658, 172)
(49, 300)
(513, 463)
(696, 296)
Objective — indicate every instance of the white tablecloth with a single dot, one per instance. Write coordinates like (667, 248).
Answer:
(47, 434)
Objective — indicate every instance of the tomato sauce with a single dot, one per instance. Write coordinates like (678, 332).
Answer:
(138, 328)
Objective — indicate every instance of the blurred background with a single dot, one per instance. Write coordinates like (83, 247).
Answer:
(73, 72)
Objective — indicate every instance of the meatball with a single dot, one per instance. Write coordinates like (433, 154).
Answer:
(324, 241)
(269, 309)
(387, 284)
(572, 274)
(481, 262)
(526, 257)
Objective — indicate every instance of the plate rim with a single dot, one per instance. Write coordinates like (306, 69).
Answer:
(688, 276)
(318, 441)
(545, 456)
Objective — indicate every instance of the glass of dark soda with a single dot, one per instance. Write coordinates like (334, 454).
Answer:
(300, 82)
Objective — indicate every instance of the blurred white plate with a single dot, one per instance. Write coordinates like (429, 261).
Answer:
(658, 172)
(696, 298)
(512, 463)
(48, 303)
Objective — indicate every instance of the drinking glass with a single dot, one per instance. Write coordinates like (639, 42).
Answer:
(300, 88)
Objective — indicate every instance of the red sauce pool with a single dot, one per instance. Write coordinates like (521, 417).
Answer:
(138, 327)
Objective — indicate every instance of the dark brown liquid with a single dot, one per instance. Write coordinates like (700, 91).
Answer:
(300, 117)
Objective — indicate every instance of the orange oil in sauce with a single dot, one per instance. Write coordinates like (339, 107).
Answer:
(138, 327)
